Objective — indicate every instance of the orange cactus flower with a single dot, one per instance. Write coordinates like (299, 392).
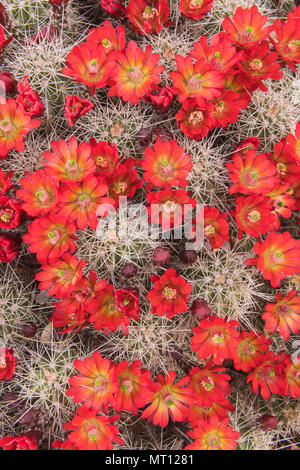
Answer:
(110, 38)
(90, 431)
(268, 376)
(166, 164)
(292, 374)
(168, 400)
(215, 337)
(15, 123)
(195, 9)
(105, 156)
(96, 383)
(148, 17)
(70, 161)
(295, 142)
(255, 215)
(247, 26)
(284, 315)
(277, 257)
(196, 80)
(209, 384)
(213, 435)
(134, 387)
(250, 350)
(288, 39)
(204, 413)
(135, 72)
(39, 193)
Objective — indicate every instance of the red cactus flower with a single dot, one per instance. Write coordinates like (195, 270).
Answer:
(204, 413)
(28, 99)
(213, 435)
(166, 164)
(227, 108)
(292, 373)
(105, 156)
(250, 350)
(247, 26)
(247, 144)
(70, 161)
(148, 16)
(195, 120)
(134, 387)
(105, 311)
(295, 142)
(196, 80)
(76, 107)
(4, 42)
(39, 193)
(259, 63)
(22, 442)
(113, 7)
(89, 64)
(209, 384)
(107, 36)
(252, 173)
(216, 228)
(9, 248)
(135, 72)
(68, 320)
(169, 207)
(283, 202)
(96, 383)
(195, 9)
(268, 376)
(124, 181)
(90, 431)
(283, 155)
(128, 302)
(61, 276)
(50, 237)
(80, 202)
(8, 364)
(284, 315)
(288, 40)
(10, 212)
(277, 257)
(255, 215)
(168, 400)
(170, 294)
(215, 337)
(160, 97)
(222, 55)
(240, 84)
(14, 125)
(8, 81)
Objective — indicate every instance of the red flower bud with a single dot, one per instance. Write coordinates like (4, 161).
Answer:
(188, 256)
(161, 100)
(200, 309)
(28, 99)
(4, 19)
(161, 256)
(144, 136)
(48, 32)
(162, 134)
(267, 422)
(7, 363)
(9, 81)
(129, 270)
(29, 330)
(9, 248)
(113, 7)
(76, 107)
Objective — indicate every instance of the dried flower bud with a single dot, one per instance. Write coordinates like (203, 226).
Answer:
(144, 136)
(161, 256)
(200, 309)
(163, 134)
(188, 256)
(129, 270)
(29, 330)
(267, 422)
(31, 417)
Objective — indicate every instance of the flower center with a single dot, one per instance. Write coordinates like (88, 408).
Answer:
(150, 13)
(100, 383)
(209, 230)
(5, 126)
(169, 293)
(194, 83)
(83, 200)
(278, 257)
(53, 236)
(253, 216)
(271, 373)
(120, 187)
(71, 165)
(207, 383)
(93, 67)
(107, 45)
(101, 161)
(218, 338)
(169, 206)
(2, 362)
(127, 386)
(219, 107)
(136, 75)
(166, 169)
(255, 64)
(293, 45)
(217, 55)
(42, 195)
(196, 3)
(93, 434)
(195, 117)
(281, 168)
(6, 215)
(214, 443)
